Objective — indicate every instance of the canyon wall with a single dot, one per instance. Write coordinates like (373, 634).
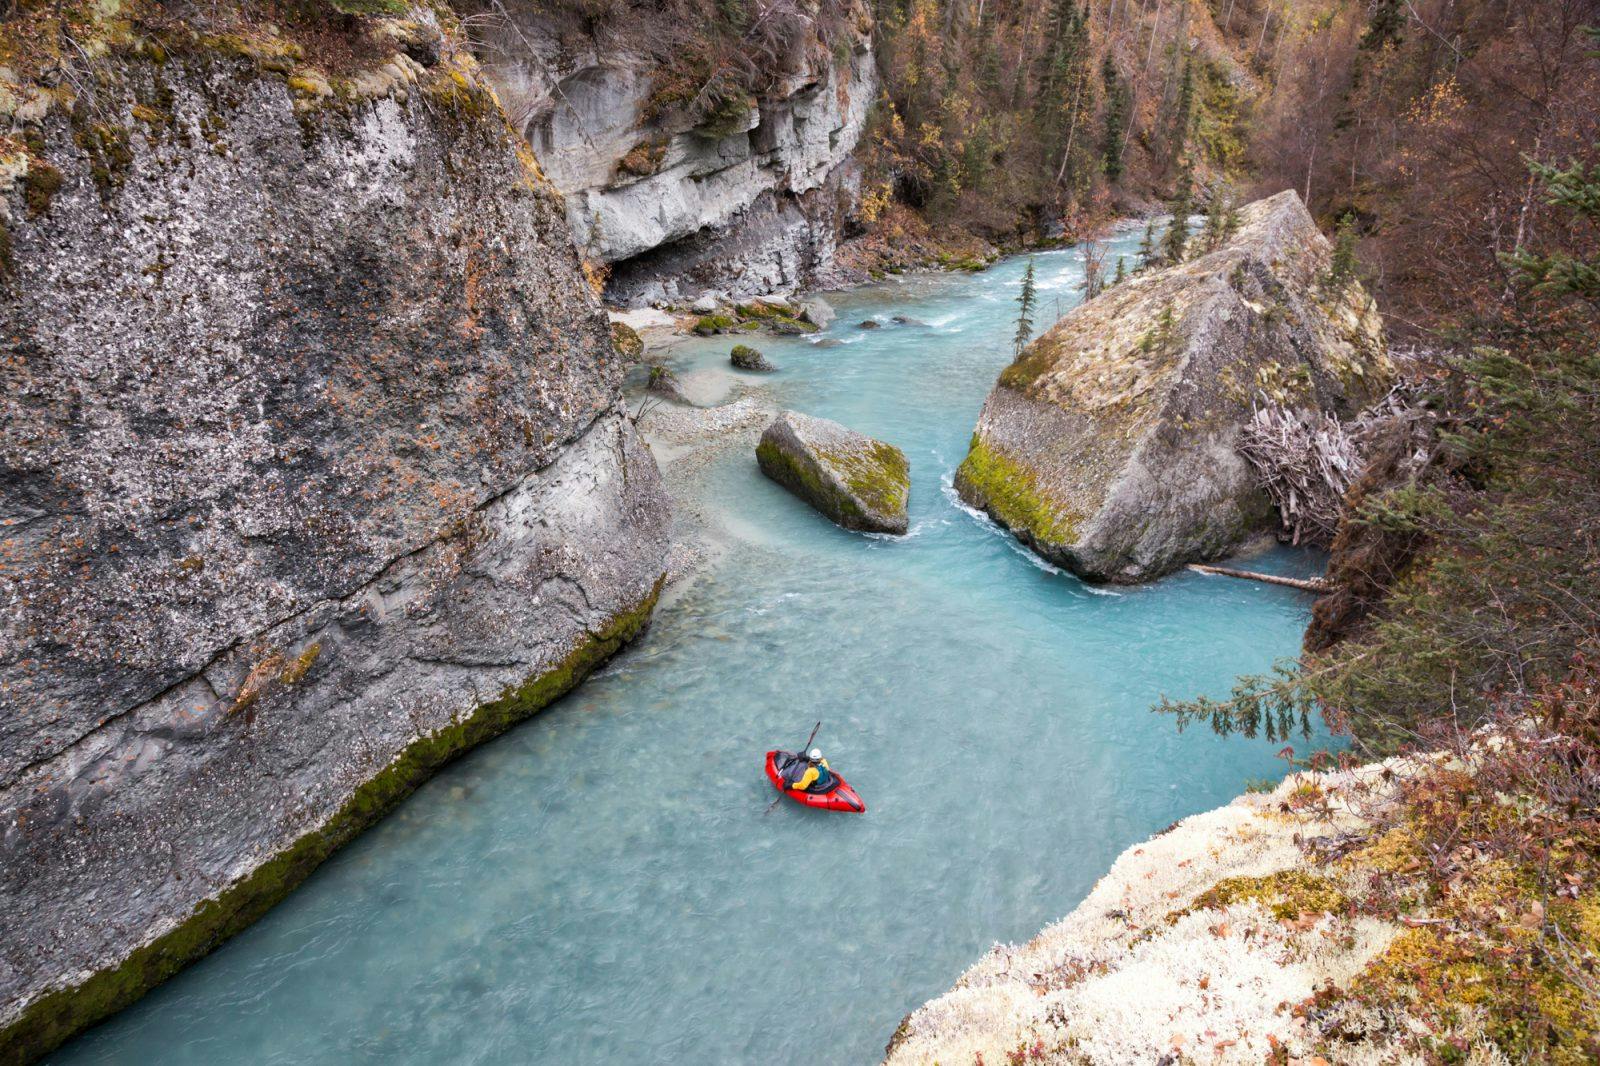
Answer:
(747, 202)
(313, 469)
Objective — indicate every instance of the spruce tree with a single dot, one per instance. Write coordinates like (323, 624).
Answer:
(1064, 104)
(1342, 266)
(1147, 246)
(1183, 113)
(1116, 119)
(1176, 240)
(1384, 25)
(1218, 214)
(1560, 274)
(1025, 303)
(1232, 219)
(1122, 270)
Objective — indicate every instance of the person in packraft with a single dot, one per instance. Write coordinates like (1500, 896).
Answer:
(816, 776)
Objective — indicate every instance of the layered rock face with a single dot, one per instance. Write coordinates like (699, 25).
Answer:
(312, 474)
(746, 205)
(1109, 445)
(860, 483)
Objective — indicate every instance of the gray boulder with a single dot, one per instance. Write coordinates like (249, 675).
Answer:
(1109, 445)
(860, 483)
(817, 311)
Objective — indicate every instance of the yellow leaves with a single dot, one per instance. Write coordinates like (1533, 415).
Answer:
(595, 274)
(875, 200)
(1438, 106)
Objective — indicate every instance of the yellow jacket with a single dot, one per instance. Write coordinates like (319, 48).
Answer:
(809, 778)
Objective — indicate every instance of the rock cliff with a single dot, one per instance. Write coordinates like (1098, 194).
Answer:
(1109, 446)
(744, 201)
(313, 470)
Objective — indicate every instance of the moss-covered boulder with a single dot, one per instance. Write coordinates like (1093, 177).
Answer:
(664, 383)
(858, 482)
(747, 358)
(626, 340)
(1109, 445)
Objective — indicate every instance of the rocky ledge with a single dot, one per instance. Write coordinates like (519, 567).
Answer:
(1433, 908)
(1109, 445)
(313, 471)
(1203, 944)
(858, 482)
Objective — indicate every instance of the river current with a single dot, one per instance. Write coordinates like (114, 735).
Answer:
(602, 885)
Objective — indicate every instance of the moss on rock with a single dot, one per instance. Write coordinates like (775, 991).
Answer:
(747, 358)
(859, 483)
(1010, 492)
(626, 340)
(40, 185)
(1287, 894)
(710, 324)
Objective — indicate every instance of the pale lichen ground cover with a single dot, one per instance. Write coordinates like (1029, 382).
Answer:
(1157, 962)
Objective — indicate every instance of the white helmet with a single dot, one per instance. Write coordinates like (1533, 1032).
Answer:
(815, 754)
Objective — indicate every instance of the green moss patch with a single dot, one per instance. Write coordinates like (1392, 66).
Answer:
(1287, 894)
(881, 478)
(55, 1017)
(40, 185)
(876, 482)
(709, 324)
(1010, 492)
(1036, 359)
(368, 7)
(626, 340)
(800, 478)
(108, 150)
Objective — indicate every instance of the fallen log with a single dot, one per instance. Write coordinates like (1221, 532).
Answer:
(1308, 584)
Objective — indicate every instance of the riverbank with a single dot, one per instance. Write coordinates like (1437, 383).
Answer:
(1205, 942)
(1422, 909)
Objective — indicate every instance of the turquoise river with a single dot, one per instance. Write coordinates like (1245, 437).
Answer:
(601, 884)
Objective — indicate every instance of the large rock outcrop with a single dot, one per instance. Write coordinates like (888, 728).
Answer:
(746, 202)
(313, 471)
(1109, 445)
(860, 483)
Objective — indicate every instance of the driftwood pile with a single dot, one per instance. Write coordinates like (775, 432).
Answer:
(1307, 460)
